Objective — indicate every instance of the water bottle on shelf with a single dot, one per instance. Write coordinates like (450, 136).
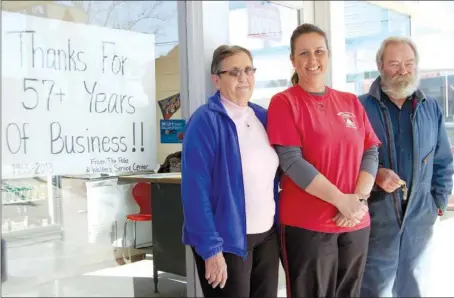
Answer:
(16, 192)
(5, 226)
(25, 222)
(21, 193)
(34, 194)
(42, 192)
(28, 192)
(5, 195)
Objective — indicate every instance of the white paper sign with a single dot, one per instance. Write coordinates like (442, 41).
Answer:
(264, 21)
(76, 98)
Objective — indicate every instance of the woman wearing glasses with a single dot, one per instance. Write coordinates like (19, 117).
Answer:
(229, 186)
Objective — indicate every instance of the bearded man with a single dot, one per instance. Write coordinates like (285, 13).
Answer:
(414, 178)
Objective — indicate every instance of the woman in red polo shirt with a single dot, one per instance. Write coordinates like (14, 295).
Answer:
(329, 154)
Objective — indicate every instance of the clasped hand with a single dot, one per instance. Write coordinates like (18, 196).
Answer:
(351, 210)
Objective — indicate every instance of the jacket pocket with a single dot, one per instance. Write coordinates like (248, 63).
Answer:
(426, 167)
(426, 158)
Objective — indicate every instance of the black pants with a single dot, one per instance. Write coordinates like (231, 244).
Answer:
(323, 264)
(257, 276)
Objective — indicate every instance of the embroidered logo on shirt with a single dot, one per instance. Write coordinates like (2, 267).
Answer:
(348, 119)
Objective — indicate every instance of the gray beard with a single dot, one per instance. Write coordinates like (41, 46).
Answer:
(398, 89)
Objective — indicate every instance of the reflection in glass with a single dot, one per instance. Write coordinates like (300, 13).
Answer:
(366, 26)
(265, 29)
(63, 230)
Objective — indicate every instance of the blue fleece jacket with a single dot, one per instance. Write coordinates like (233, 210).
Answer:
(212, 182)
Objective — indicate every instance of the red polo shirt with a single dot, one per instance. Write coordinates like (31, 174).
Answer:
(333, 132)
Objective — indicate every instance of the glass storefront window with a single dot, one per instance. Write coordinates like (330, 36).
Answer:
(431, 27)
(85, 85)
(433, 32)
(366, 25)
(265, 29)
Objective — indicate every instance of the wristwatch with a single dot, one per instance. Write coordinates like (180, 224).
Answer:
(362, 198)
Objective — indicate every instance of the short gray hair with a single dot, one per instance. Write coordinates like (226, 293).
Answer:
(394, 40)
(224, 51)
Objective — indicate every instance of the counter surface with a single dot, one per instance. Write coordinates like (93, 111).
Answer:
(168, 178)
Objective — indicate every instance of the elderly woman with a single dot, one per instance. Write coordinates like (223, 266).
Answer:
(328, 152)
(228, 185)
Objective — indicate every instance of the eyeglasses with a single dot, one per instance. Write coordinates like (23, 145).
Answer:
(236, 72)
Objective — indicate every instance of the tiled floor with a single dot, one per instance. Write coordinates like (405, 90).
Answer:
(115, 281)
(103, 277)
(32, 277)
(442, 272)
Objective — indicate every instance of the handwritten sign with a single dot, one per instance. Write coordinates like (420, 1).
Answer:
(76, 98)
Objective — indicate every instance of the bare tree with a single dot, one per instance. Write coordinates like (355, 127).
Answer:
(139, 16)
(142, 16)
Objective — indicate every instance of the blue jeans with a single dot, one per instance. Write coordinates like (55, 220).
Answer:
(398, 256)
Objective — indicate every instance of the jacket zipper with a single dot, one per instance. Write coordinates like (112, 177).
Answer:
(396, 203)
(413, 117)
(243, 200)
(427, 157)
(245, 253)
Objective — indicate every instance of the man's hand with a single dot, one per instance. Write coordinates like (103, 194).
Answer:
(388, 180)
(216, 270)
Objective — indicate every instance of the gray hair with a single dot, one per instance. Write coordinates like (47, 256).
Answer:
(224, 51)
(394, 40)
